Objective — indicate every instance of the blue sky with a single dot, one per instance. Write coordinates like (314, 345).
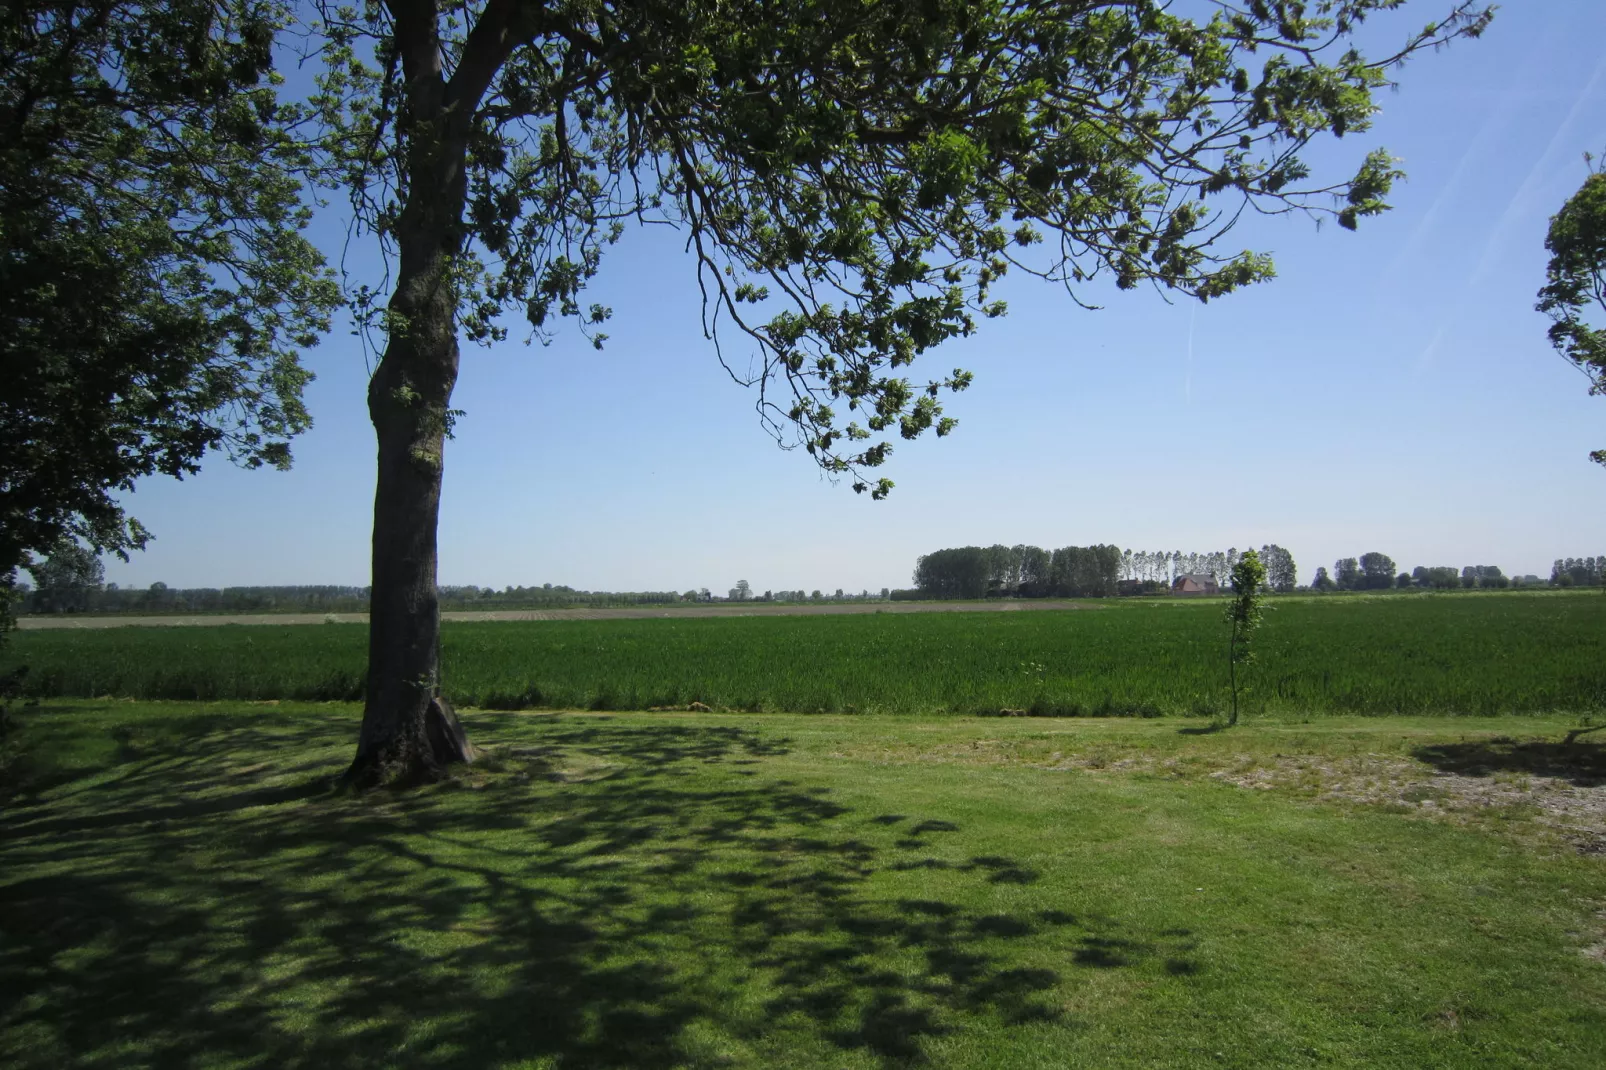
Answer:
(1391, 390)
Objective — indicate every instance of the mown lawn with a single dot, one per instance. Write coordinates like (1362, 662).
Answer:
(179, 889)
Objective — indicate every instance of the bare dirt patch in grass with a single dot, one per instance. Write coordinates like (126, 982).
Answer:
(1558, 801)
(1537, 789)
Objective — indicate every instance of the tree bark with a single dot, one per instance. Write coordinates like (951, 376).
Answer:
(409, 732)
(1232, 673)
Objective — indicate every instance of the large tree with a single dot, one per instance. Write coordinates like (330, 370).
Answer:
(1575, 282)
(852, 178)
(1281, 573)
(154, 285)
(1347, 574)
(1377, 571)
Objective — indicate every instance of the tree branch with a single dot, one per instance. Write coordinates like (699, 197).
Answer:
(487, 47)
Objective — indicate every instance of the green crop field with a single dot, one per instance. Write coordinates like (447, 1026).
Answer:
(1454, 654)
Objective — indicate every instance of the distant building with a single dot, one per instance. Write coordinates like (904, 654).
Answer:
(1195, 584)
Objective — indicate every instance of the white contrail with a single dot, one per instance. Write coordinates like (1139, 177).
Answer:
(1495, 120)
(1430, 350)
(1525, 192)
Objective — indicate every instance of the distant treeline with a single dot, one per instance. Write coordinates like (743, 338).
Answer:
(962, 572)
(1018, 571)
(1376, 572)
(1078, 571)
(160, 598)
(1101, 571)
(1578, 571)
(1164, 567)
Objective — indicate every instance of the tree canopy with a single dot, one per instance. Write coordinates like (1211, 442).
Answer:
(1281, 573)
(155, 287)
(1575, 283)
(853, 179)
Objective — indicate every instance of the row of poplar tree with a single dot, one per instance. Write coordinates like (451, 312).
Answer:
(1166, 566)
(1080, 571)
(1578, 571)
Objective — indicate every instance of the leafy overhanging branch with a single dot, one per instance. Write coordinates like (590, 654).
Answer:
(155, 287)
(1575, 282)
(853, 180)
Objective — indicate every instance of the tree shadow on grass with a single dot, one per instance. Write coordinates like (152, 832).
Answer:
(595, 894)
(1583, 763)
(1203, 730)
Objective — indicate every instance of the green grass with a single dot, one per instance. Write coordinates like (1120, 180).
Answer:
(1511, 653)
(178, 889)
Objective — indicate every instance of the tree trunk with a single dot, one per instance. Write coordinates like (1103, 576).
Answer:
(1232, 673)
(409, 732)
